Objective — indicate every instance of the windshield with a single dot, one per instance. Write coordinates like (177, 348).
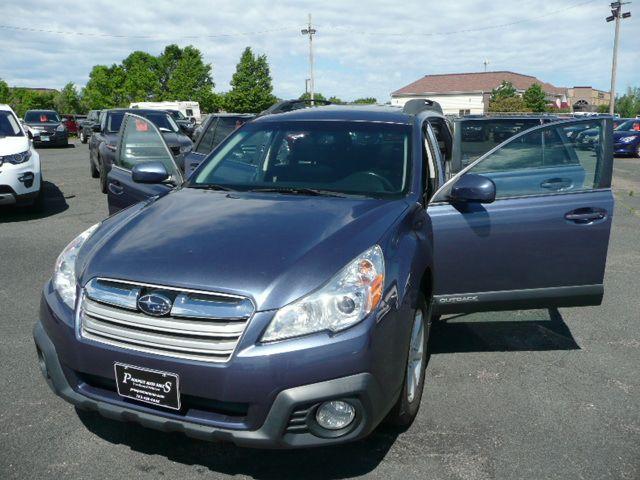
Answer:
(177, 114)
(9, 126)
(629, 126)
(163, 121)
(35, 116)
(370, 159)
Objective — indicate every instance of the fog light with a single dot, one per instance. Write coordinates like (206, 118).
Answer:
(335, 415)
(27, 179)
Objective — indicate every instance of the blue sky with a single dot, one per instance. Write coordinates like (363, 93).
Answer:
(362, 48)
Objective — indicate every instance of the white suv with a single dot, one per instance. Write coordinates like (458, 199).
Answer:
(20, 174)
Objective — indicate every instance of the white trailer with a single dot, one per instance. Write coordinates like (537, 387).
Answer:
(189, 109)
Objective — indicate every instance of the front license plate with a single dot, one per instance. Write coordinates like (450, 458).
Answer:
(148, 386)
(44, 139)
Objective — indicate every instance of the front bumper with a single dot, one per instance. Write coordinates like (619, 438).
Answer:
(270, 392)
(53, 138)
(625, 148)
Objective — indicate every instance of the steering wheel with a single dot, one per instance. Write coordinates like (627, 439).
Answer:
(385, 183)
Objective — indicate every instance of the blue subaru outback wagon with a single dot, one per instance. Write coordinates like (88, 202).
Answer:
(283, 295)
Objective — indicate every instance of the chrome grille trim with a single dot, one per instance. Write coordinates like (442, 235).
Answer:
(204, 326)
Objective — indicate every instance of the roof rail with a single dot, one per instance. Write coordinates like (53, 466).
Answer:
(417, 105)
(289, 105)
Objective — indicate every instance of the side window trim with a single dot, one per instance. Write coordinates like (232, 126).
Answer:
(604, 182)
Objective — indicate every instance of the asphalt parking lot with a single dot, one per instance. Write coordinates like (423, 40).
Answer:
(511, 395)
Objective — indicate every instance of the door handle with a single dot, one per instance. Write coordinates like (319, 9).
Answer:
(116, 188)
(586, 215)
(557, 184)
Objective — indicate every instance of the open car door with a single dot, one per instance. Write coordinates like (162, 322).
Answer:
(140, 142)
(526, 225)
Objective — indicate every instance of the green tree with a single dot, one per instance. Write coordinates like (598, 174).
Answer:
(189, 77)
(504, 90)
(142, 79)
(508, 104)
(105, 88)
(366, 101)
(628, 105)
(603, 108)
(316, 96)
(251, 85)
(68, 100)
(4, 92)
(23, 99)
(535, 99)
(335, 100)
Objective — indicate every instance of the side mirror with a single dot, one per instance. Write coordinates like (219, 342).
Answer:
(149, 172)
(472, 188)
(95, 127)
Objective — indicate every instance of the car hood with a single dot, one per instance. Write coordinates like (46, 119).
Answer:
(175, 139)
(628, 133)
(48, 125)
(273, 248)
(11, 145)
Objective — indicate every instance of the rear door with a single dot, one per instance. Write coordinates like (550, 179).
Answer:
(543, 241)
(140, 141)
(202, 148)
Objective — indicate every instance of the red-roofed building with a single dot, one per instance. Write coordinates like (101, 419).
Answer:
(469, 93)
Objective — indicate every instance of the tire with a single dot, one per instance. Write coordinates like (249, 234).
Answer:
(406, 408)
(83, 137)
(638, 151)
(94, 171)
(103, 176)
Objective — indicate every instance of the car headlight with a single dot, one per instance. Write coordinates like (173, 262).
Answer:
(345, 300)
(60, 128)
(64, 273)
(628, 139)
(17, 158)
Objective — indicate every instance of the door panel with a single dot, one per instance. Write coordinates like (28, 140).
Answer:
(140, 141)
(543, 242)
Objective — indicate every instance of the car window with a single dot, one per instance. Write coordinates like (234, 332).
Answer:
(206, 139)
(9, 126)
(345, 157)
(141, 142)
(225, 126)
(477, 137)
(546, 160)
(114, 121)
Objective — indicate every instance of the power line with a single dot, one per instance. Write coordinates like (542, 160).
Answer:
(467, 30)
(282, 29)
(112, 35)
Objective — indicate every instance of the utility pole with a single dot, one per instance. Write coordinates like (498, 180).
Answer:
(486, 62)
(310, 31)
(617, 15)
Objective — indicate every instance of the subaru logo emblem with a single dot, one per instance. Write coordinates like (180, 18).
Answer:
(154, 304)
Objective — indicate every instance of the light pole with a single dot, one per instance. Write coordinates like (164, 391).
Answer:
(310, 31)
(616, 14)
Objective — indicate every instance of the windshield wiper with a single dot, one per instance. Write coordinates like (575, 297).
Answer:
(213, 186)
(299, 191)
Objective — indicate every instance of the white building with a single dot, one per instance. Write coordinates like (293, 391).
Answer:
(469, 93)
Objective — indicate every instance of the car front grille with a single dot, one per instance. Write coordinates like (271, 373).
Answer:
(200, 326)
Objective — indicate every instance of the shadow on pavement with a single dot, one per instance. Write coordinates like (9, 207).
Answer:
(452, 335)
(341, 461)
(54, 203)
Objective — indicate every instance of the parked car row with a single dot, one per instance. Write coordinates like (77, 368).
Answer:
(298, 268)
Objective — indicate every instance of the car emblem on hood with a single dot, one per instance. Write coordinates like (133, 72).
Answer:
(154, 304)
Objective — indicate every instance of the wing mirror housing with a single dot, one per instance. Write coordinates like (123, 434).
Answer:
(149, 172)
(472, 188)
(95, 127)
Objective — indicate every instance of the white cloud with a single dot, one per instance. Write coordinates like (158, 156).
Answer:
(362, 48)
